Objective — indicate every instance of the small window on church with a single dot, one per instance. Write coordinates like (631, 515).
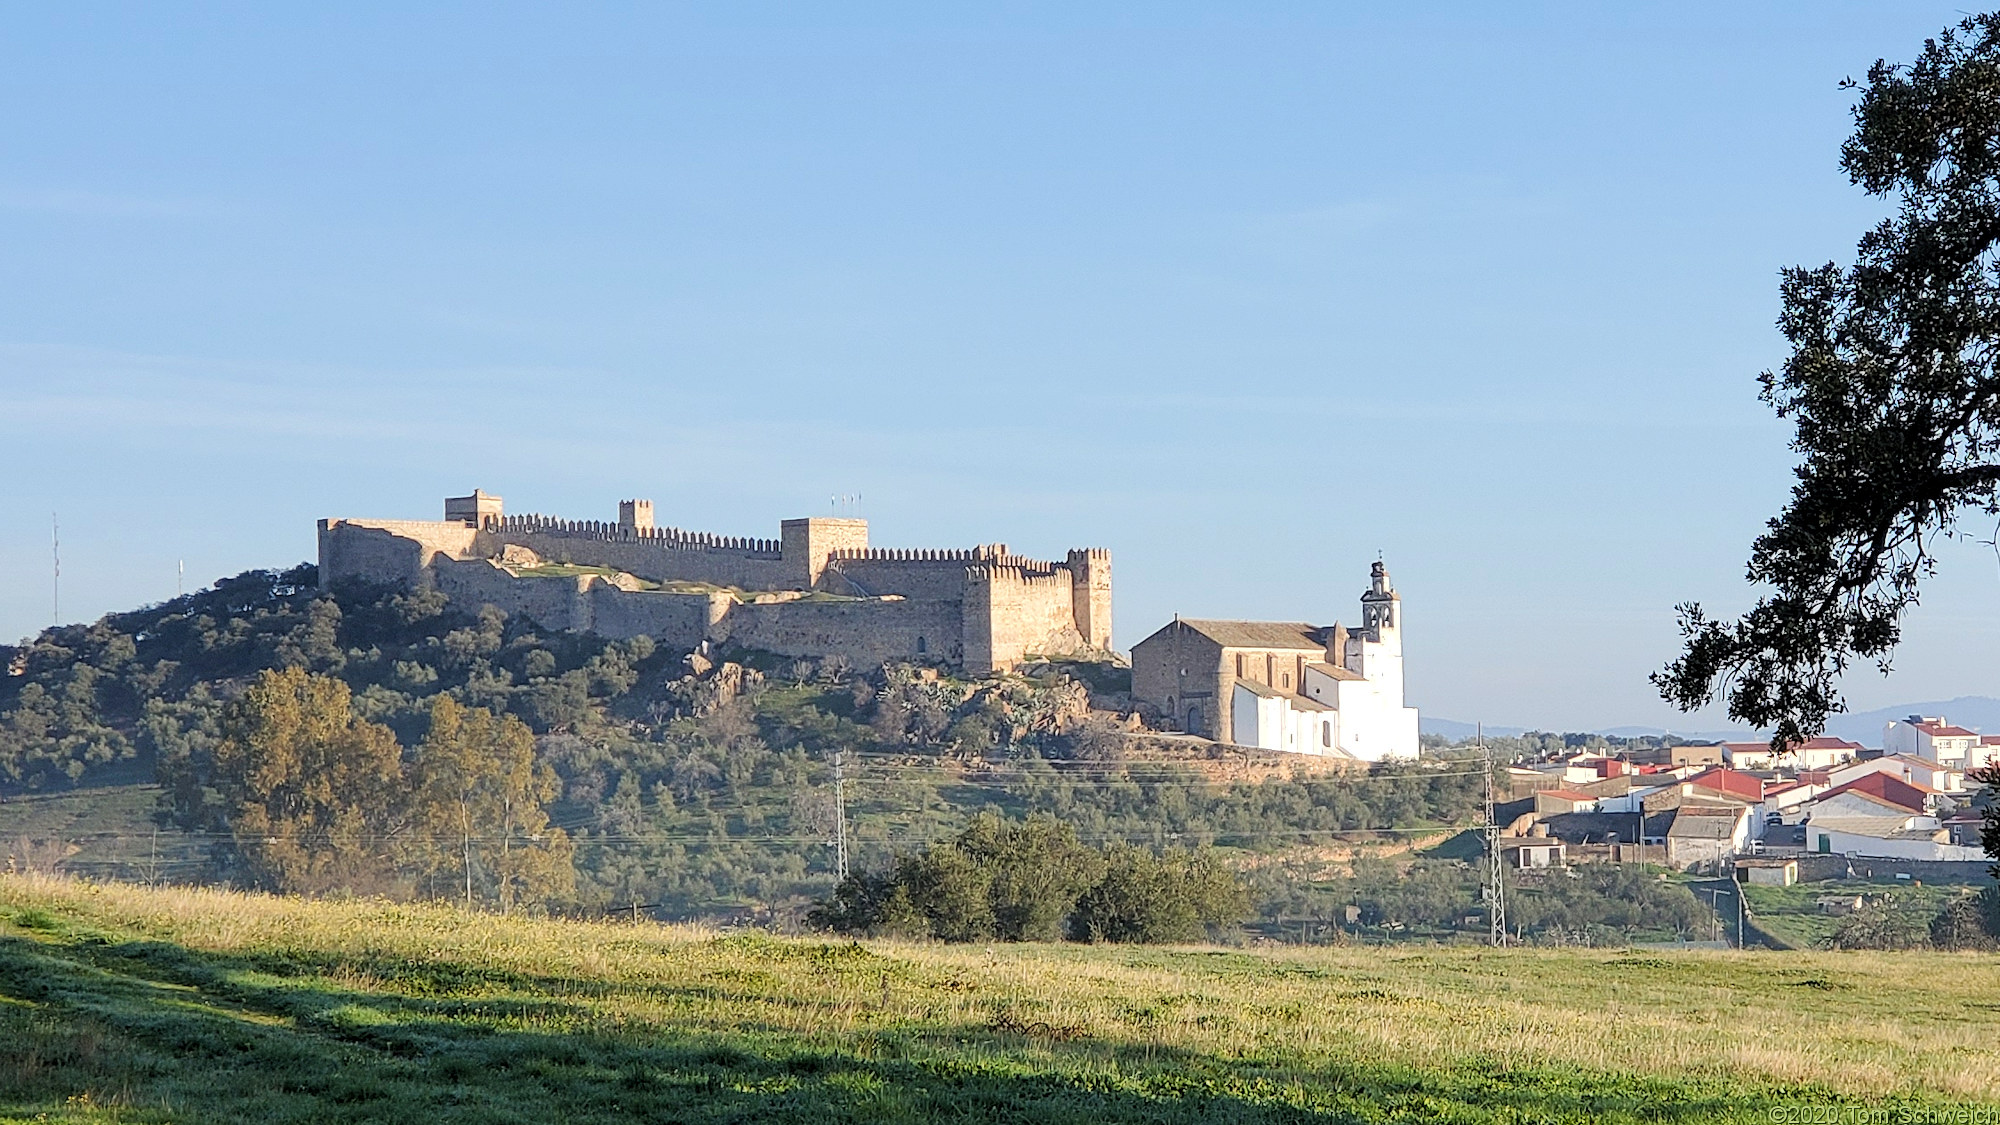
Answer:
(1287, 677)
(1326, 734)
(922, 647)
(1239, 664)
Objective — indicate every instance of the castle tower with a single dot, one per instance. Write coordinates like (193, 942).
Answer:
(635, 515)
(806, 545)
(481, 509)
(1090, 595)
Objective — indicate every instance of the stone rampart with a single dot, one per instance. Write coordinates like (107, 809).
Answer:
(982, 606)
(919, 579)
(668, 538)
(388, 550)
(666, 556)
(583, 603)
(674, 620)
(1011, 613)
(552, 603)
(865, 631)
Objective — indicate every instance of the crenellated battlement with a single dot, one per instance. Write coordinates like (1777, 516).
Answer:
(914, 554)
(666, 538)
(1006, 606)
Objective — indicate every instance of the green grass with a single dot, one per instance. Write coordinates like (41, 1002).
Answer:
(1792, 913)
(123, 1004)
(106, 832)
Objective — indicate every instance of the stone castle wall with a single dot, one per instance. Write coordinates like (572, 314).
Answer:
(919, 575)
(865, 631)
(394, 551)
(1011, 614)
(981, 607)
(746, 564)
(583, 603)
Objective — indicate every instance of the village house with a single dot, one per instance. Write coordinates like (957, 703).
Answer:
(1552, 802)
(1857, 823)
(1528, 853)
(1707, 834)
(1933, 739)
(1813, 753)
(1696, 754)
(1722, 781)
(1767, 871)
(1906, 767)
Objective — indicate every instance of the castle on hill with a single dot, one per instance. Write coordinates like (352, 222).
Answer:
(1287, 685)
(818, 590)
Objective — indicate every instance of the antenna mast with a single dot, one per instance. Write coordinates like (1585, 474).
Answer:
(55, 556)
(839, 814)
(1496, 886)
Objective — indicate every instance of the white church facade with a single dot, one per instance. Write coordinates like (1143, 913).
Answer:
(1289, 686)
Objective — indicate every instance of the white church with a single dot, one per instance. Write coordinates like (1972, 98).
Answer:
(1290, 686)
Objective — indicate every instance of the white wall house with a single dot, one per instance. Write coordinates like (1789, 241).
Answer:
(1903, 767)
(1932, 738)
(1812, 754)
(1857, 824)
(1350, 704)
(1706, 833)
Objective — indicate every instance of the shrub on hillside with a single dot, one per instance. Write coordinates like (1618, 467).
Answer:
(1886, 926)
(1173, 897)
(1968, 922)
(1032, 880)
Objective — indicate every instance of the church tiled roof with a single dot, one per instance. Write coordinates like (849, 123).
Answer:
(1333, 671)
(1259, 634)
(1298, 702)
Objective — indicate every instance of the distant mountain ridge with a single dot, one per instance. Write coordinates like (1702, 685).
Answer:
(1975, 712)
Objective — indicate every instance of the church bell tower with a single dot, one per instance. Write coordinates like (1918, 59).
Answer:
(1381, 606)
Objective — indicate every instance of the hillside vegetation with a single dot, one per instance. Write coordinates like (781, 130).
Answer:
(124, 1004)
(684, 789)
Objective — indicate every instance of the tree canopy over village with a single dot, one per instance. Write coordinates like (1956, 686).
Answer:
(1893, 384)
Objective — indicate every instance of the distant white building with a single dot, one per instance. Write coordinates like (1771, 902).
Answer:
(1350, 703)
(1933, 739)
(1811, 754)
(1864, 825)
(1907, 767)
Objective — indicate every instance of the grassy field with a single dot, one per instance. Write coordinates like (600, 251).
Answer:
(119, 1003)
(103, 832)
(1792, 914)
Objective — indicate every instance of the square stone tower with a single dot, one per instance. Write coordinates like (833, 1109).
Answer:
(635, 515)
(807, 543)
(481, 509)
(1090, 592)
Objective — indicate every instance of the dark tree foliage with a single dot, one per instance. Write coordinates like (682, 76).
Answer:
(1155, 899)
(1032, 880)
(1968, 922)
(1894, 391)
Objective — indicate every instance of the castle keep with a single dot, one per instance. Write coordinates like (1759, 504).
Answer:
(817, 590)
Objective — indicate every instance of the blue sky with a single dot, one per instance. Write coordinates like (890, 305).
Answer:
(1244, 292)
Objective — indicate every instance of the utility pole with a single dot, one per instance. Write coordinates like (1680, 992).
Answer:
(839, 814)
(1496, 887)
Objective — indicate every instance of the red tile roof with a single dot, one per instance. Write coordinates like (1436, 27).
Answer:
(1944, 730)
(1567, 794)
(1734, 783)
(1824, 742)
(1894, 790)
